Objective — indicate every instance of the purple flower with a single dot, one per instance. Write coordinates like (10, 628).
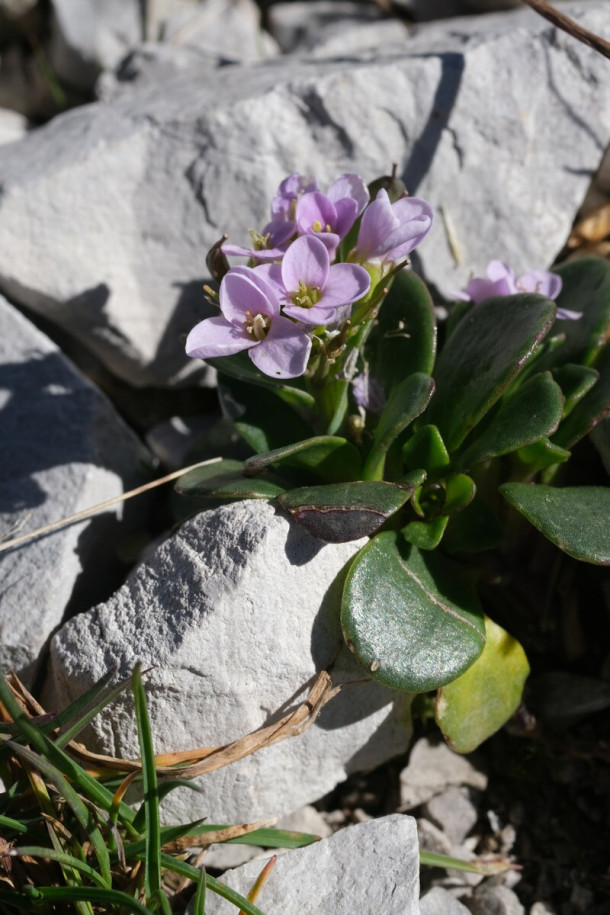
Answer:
(309, 288)
(390, 231)
(501, 280)
(330, 216)
(368, 393)
(251, 320)
(271, 243)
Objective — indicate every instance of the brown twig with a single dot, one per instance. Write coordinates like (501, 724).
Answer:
(561, 21)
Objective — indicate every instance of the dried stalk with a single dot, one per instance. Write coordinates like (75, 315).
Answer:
(561, 21)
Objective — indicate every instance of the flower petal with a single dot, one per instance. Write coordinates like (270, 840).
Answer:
(307, 261)
(243, 290)
(564, 314)
(346, 283)
(316, 316)
(347, 213)
(217, 337)
(312, 208)
(349, 185)
(378, 221)
(284, 351)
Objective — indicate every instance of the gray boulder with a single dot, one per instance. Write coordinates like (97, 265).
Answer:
(439, 902)
(236, 613)
(62, 449)
(369, 868)
(128, 196)
(88, 36)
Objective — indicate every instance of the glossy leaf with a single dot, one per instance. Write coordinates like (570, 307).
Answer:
(241, 368)
(405, 332)
(586, 288)
(260, 415)
(426, 448)
(425, 535)
(407, 400)
(575, 381)
(473, 530)
(488, 348)
(460, 490)
(329, 457)
(542, 454)
(226, 480)
(478, 703)
(573, 518)
(593, 407)
(410, 619)
(344, 511)
(532, 413)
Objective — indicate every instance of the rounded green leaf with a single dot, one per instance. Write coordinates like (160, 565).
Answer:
(532, 413)
(586, 288)
(407, 401)
(487, 349)
(574, 518)
(473, 530)
(410, 619)
(345, 511)
(478, 703)
(426, 448)
(590, 410)
(425, 535)
(405, 332)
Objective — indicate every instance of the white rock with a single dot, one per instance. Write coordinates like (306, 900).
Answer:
(304, 25)
(542, 908)
(237, 611)
(227, 28)
(453, 812)
(107, 212)
(91, 35)
(369, 868)
(439, 902)
(495, 900)
(63, 449)
(432, 768)
(13, 126)
(431, 838)
(308, 820)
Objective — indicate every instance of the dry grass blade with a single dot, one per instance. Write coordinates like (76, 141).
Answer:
(210, 759)
(202, 840)
(260, 881)
(561, 21)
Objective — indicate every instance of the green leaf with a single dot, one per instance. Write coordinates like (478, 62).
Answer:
(241, 368)
(593, 407)
(226, 480)
(575, 381)
(488, 348)
(193, 873)
(107, 899)
(532, 413)
(473, 530)
(426, 448)
(542, 454)
(586, 288)
(405, 332)
(344, 511)
(411, 620)
(478, 703)
(260, 415)
(152, 869)
(573, 518)
(425, 535)
(333, 459)
(407, 400)
(50, 854)
(460, 490)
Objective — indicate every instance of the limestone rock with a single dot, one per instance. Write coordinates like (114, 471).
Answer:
(371, 867)
(230, 29)
(128, 196)
(91, 35)
(489, 899)
(453, 812)
(432, 768)
(62, 449)
(13, 125)
(236, 613)
(439, 902)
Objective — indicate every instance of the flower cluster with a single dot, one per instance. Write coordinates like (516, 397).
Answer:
(502, 280)
(296, 287)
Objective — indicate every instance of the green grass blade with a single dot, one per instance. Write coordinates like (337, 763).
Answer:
(497, 865)
(81, 711)
(152, 860)
(199, 900)
(160, 902)
(167, 834)
(88, 785)
(18, 901)
(164, 789)
(107, 898)
(193, 873)
(50, 854)
(9, 823)
(82, 814)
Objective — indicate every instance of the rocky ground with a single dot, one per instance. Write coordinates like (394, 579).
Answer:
(132, 135)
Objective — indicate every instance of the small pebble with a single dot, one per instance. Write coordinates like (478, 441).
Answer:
(495, 900)
(453, 812)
